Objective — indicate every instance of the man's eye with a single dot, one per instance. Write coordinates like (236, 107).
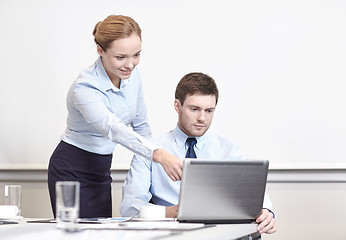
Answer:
(137, 55)
(119, 58)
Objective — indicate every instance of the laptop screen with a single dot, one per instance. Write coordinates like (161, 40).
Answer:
(222, 191)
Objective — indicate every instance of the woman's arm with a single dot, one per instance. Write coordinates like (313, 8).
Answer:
(91, 105)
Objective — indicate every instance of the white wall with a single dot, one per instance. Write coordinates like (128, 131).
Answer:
(279, 66)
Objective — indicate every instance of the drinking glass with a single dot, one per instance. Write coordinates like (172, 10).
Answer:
(13, 196)
(67, 204)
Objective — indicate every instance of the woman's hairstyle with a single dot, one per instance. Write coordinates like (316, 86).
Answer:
(196, 83)
(115, 27)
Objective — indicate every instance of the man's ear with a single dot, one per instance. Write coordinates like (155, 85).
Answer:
(177, 106)
(99, 50)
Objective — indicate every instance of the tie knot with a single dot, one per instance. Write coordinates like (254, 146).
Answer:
(190, 153)
(191, 141)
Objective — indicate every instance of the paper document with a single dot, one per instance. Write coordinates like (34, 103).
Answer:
(170, 225)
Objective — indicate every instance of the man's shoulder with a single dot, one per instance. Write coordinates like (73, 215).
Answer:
(223, 147)
(163, 139)
(217, 139)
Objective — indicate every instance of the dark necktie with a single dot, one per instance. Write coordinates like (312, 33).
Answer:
(191, 142)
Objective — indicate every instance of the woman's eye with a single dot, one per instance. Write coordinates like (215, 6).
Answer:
(119, 57)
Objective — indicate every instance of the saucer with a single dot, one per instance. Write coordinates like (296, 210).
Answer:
(10, 219)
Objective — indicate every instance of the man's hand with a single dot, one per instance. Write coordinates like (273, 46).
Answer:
(266, 222)
(172, 212)
(171, 164)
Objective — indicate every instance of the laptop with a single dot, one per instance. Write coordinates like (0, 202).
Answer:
(225, 191)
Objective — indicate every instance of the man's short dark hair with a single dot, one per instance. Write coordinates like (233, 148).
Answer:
(196, 83)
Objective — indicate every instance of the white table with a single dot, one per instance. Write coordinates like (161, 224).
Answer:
(44, 231)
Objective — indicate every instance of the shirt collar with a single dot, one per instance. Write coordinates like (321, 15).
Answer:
(180, 139)
(104, 78)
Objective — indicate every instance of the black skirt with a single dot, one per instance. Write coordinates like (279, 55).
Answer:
(91, 170)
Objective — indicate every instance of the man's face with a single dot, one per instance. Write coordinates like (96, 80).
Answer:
(196, 115)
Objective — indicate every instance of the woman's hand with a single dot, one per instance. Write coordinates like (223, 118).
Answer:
(171, 164)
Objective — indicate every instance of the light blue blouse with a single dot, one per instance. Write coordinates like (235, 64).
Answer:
(101, 115)
(147, 180)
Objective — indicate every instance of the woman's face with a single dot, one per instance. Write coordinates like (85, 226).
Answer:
(121, 57)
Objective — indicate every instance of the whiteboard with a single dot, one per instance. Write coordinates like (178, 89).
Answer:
(279, 66)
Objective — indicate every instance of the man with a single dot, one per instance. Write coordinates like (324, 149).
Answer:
(196, 98)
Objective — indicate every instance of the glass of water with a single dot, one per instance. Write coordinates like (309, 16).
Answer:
(13, 196)
(67, 204)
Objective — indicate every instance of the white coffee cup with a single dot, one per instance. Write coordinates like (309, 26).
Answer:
(8, 211)
(153, 212)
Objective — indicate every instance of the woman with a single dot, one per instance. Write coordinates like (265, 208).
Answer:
(105, 99)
